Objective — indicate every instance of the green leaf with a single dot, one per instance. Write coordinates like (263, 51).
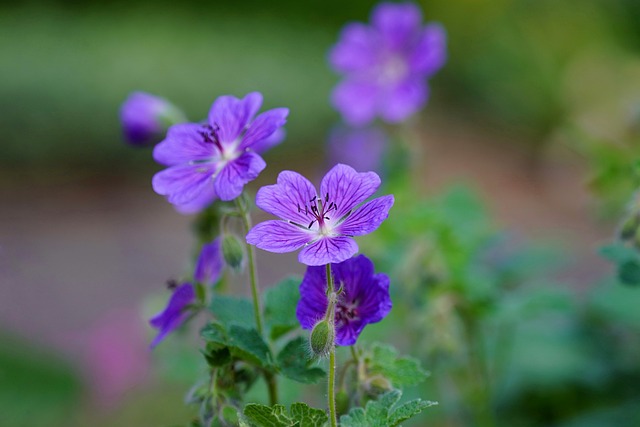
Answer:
(299, 415)
(233, 310)
(383, 413)
(280, 306)
(618, 253)
(402, 371)
(294, 362)
(244, 343)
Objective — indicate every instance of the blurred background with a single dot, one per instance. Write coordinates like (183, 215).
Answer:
(536, 113)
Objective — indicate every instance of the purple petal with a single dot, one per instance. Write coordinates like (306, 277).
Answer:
(183, 144)
(266, 144)
(367, 217)
(348, 188)
(174, 314)
(264, 126)
(183, 183)
(278, 236)
(210, 263)
(313, 298)
(430, 53)
(403, 100)
(356, 101)
(376, 302)
(362, 149)
(232, 178)
(231, 115)
(287, 198)
(328, 250)
(201, 202)
(357, 49)
(397, 23)
(141, 117)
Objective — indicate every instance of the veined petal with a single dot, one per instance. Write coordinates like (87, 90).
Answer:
(183, 144)
(328, 250)
(279, 236)
(264, 126)
(367, 217)
(375, 301)
(235, 174)
(357, 50)
(348, 188)
(348, 333)
(403, 99)
(356, 101)
(183, 183)
(398, 23)
(288, 198)
(230, 115)
(430, 53)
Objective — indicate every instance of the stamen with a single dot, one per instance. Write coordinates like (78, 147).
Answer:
(311, 223)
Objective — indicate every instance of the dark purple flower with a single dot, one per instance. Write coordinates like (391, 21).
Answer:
(210, 263)
(175, 314)
(364, 297)
(145, 117)
(361, 148)
(217, 157)
(386, 64)
(322, 224)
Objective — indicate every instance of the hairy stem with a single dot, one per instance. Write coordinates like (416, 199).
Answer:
(331, 394)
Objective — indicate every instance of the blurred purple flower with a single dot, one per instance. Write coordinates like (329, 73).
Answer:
(363, 149)
(145, 117)
(210, 263)
(175, 314)
(216, 158)
(322, 224)
(386, 64)
(364, 298)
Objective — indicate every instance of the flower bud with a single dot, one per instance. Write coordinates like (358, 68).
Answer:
(233, 252)
(146, 117)
(378, 384)
(322, 338)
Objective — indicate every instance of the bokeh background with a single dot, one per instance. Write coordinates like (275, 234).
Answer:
(537, 112)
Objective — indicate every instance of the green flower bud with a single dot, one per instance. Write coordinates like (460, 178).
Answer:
(378, 384)
(233, 252)
(322, 338)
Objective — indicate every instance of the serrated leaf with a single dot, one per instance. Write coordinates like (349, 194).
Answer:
(233, 310)
(381, 412)
(248, 344)
(280, 307)
(299, 415)
(294, 363)
(402, 371)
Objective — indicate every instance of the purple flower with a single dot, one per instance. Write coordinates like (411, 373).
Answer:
(218, 157)
(175, 314)
(322, 224)
(364, 297)
(145, 117)
(361, 148)
(386, 65)
(210, 263)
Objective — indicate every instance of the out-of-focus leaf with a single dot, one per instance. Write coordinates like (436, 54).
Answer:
(383, 412)
(233, 310)
(300, 414)
(294, 363)
(400, 370)
(280, 307)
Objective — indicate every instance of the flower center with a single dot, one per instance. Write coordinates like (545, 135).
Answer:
(393, 70)
(346, 311)
(210, 135)
(317, 210)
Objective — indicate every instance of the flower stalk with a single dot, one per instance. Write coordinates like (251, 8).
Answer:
(331, 394)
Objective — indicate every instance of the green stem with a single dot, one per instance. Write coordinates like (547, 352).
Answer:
(332, 354)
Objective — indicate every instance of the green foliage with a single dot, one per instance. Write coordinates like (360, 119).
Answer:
(402, 371)
(233, 310)
(299, 414)
(294, 362)
(280, 307)
(384, 412)
(244, 343)
(627, 260)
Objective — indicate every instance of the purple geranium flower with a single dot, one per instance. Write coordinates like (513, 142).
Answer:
(324, 223)
(216, 158)
(362, 148)
(175, 314)
(145, 117)
(364, 297)
(210, 262)
(386, 65)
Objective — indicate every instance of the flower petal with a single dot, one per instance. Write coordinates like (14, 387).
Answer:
(231, 115)
(430, 53)
(347, 188)
(398, 24)
(403, 100)
(183, 144)
(375, 300)
(183, 183)
(356, 101)
(232, 178)
(264, 126)
(288, 197)
(367, 217)
(278, 236)
(210, 263)
(328, 250)
(313, 298)
(357, 49)
(201, 202)
(266, 144)
(174, 314)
